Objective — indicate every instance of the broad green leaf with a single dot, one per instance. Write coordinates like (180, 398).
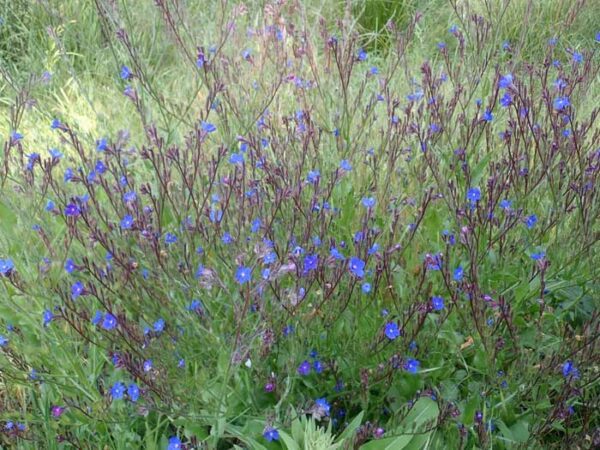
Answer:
(352, 427)
(289, 442)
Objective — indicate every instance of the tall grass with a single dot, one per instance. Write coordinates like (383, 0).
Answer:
(443, 151)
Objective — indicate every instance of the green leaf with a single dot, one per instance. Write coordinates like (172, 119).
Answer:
(424, 411)
(520, 431)
(297, 430)
(418, 441)
(352, 427)
(391, 443)
(289, 441)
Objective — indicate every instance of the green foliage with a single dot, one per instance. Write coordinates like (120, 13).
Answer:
(475, 359)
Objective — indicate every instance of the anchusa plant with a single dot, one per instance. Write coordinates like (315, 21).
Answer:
(325, 240)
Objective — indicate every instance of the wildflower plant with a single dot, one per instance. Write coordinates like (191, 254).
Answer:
(350, 244)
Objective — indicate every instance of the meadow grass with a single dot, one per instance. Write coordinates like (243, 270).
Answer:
(234, 165)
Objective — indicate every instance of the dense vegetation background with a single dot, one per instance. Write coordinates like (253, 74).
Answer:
(299, 224)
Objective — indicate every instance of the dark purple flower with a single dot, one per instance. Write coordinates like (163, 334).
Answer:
(304, 368)
(57, 411)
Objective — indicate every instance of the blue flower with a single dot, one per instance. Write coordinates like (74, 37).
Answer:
(70, 265)
(3, 341)
(77, 289)
(236, 158)
(109, 322)
(15, 136)
(345, 165)
(133, 391)
(569, 370)
(117, 391)
(506, 204)
(506, 100)
(391, 330)
(310, 263)
(31, 159)
(270, 258)
(433, 262)
(208, 127)
(488, 116)
(174, 443)
(561, 103)
(55, 124)
(72, 210)
(47, 317)
(97, 318)
(147, 366)
(127, 222)
(195, 305)
(362, 55)
(368, 202)
(437, 303)
(474, 194)
(55, 153)
(505, 81)
(374, 249)
(226, 238)
(318, 366)
(538, 256)
(458, 273)
(357, 267)
(100, 167)
(129, 197)
(159, 325)
(215, 215)
(6, 266)
(125, 73)
(415, 96)
(531, 221)
(334, 252)
(170, 238)
(577, 58)
(68, 174)
(412, 365)
(256, 223)
(271, 434)
(366, 288)
(101, 144)
(313, 176)
(323, 405)
(243, 275)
